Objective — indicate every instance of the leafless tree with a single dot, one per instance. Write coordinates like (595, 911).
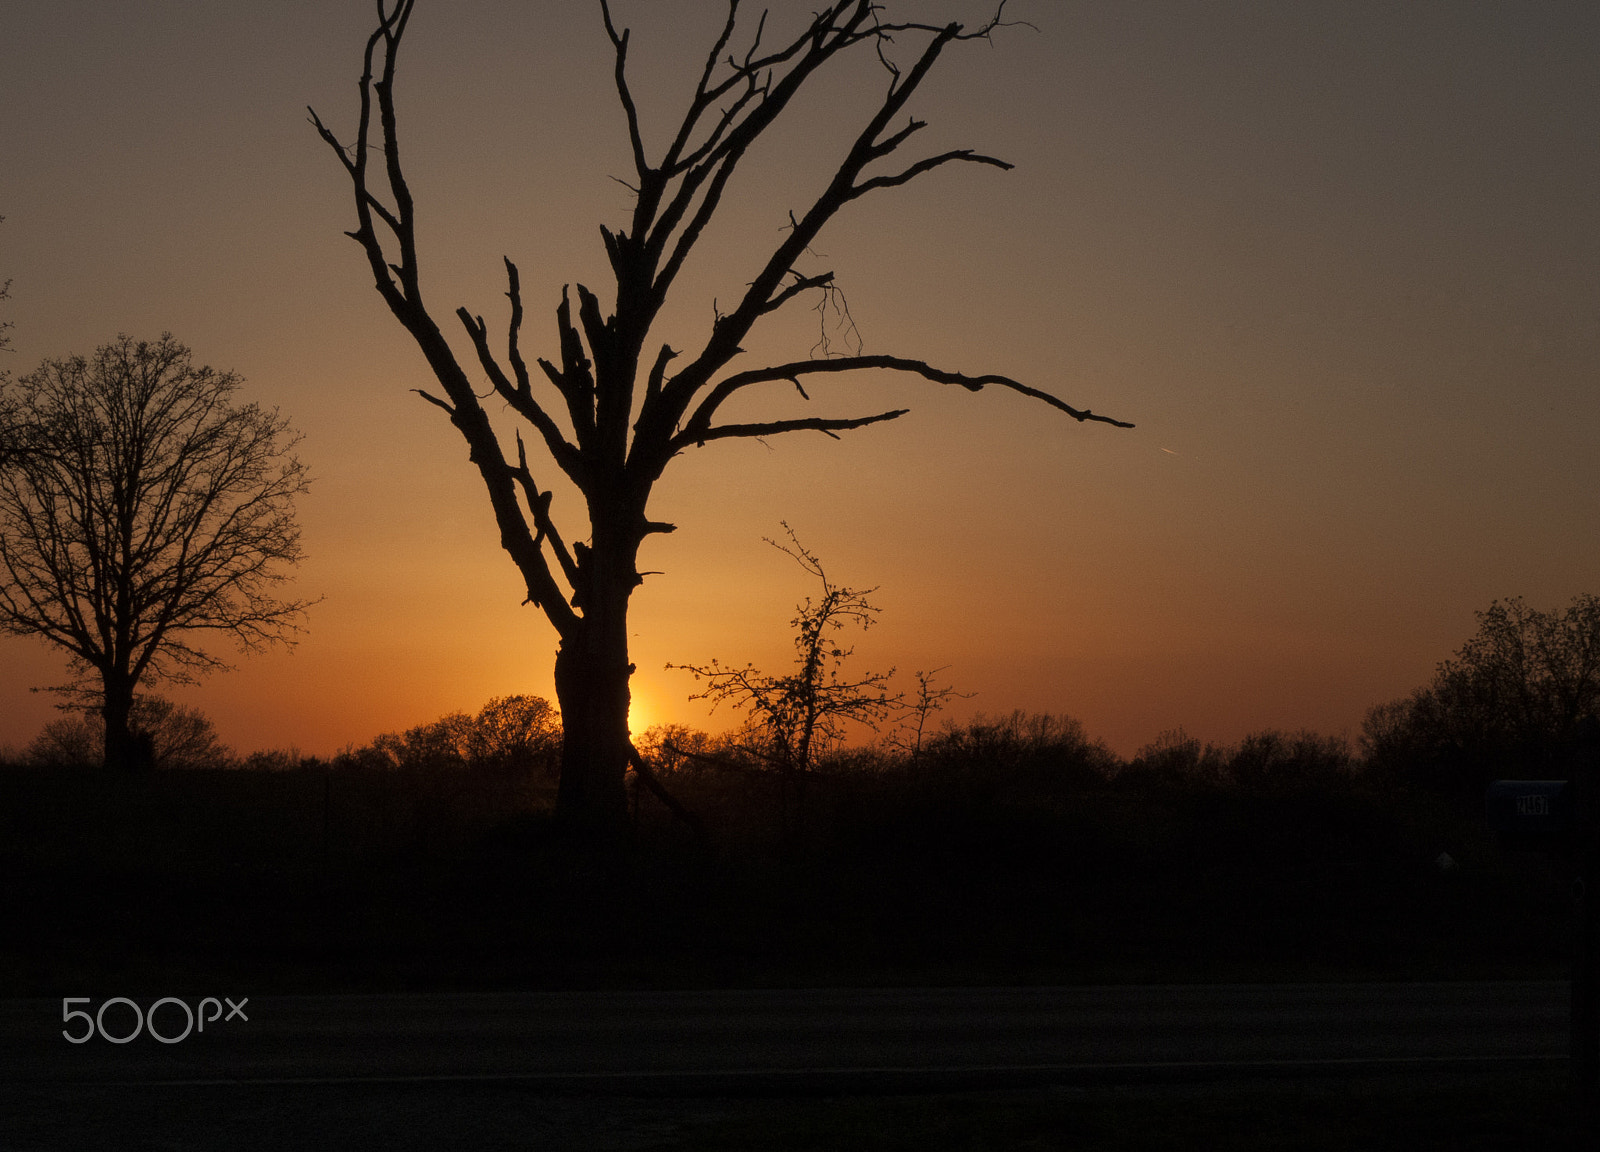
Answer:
(611, 440)
(1512, 698)
(510, 733)
(148, 512)
(918, 710)
(794, 719)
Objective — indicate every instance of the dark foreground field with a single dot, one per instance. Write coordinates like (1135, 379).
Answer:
(1453, 1114)
(1010, 866)
(1012, 863)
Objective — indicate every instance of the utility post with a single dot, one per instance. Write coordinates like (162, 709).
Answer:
(1561, 818)
(1584, 770)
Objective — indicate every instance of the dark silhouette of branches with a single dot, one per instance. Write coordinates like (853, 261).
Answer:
(647, 775)
(1510, 700)
(148, 515)
(5, 325)
(516, 734)
(793, 720)
(614, 404)
(10, 418)
(918, 709)
(178, 737)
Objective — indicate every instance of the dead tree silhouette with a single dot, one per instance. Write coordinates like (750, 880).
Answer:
(584, 588)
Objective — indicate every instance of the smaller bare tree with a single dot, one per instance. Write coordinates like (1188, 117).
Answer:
(918, 710)
(793, 720)
(148, 512)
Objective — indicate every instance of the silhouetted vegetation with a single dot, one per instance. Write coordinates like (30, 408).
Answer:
(5, 336)
(1008, 848)
(793, 721)
(1508, 704)
(11, 422)
(508, 734)
(617, 406)
(1000, 849)
(179, 737)
(143, 514)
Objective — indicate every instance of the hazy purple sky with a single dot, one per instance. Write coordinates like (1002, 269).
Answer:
(1340, 262)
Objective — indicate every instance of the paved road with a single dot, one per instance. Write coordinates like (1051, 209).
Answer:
(722, 1041)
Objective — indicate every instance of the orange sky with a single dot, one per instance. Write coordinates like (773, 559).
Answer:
(1337, 261)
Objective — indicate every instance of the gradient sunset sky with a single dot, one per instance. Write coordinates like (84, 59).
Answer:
(1339, 262)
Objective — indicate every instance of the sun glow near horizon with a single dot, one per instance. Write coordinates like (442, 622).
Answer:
(643, 714)
(1314, 331)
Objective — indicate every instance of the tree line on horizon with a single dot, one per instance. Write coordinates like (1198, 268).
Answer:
(1511, 702)
(97, 547)
(143, 512)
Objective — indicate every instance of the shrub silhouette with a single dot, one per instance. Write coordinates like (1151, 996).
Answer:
(1509, 703)
(509, 733)
(177, 736)
(1013, 847)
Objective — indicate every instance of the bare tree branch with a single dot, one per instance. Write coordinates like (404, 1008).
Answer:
(539, 509)
(399, 285)
(928, 165)
(642, 769)
(620, 43)
(699, 437)
(701, 420)
(801, 284)
(870, 145)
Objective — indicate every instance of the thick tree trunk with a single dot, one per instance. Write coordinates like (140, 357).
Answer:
(592, 672)
(117, 711)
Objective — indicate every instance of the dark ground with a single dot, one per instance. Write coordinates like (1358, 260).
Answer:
(1515, 1113)
(320, 882)
(1024, 872)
